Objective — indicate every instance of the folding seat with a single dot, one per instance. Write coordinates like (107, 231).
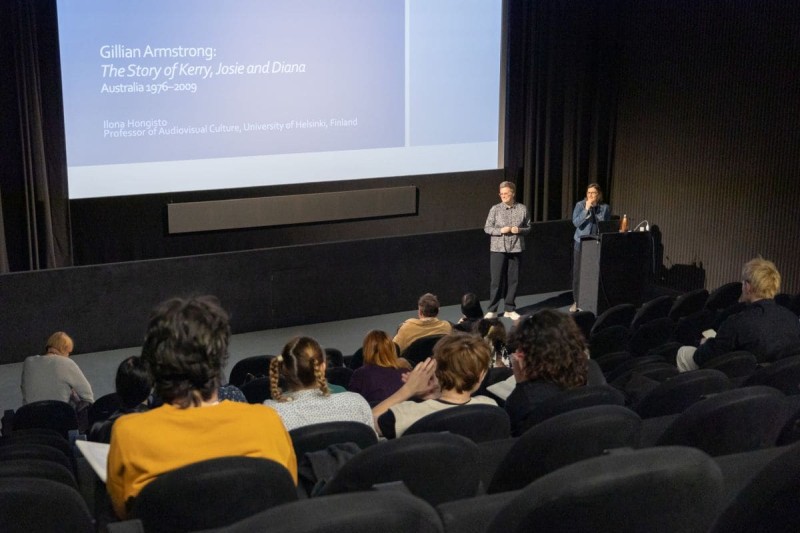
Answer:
(49, 414)
(436, 467)
(618, 315)
(420, 349)
(677, 393)
(212, 493)
(688, 303)
(570, 400)
(738, 366)
(658, 307)
(315, 437)
(737, 420)
(357, 512)
(249, 368)
(671, 489)
(783, 374)
(724, 296)
(42, 506)
(563, 440)
(478, 423)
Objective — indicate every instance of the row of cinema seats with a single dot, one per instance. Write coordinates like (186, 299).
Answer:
(490, 472)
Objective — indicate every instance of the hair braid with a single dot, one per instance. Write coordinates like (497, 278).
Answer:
(322, 383)
(274, 376)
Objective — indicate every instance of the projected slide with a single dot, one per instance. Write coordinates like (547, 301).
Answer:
(202, 94)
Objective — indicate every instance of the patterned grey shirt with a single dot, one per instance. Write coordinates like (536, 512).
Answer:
(310, 407)
(501, 215)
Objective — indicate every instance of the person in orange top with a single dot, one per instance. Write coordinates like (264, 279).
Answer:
(185, 349)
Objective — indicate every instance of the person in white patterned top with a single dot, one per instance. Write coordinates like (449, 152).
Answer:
(308, 400)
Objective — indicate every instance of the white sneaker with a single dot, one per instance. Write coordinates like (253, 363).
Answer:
(490, 315)
(513, 315)
(573, 308)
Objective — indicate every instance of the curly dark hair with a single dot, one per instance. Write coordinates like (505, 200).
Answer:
(185, 349)
(553, 348)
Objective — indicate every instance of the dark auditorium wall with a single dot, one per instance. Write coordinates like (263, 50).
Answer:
(708, 132)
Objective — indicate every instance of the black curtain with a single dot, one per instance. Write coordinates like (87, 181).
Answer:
(34, 230)
(563, 79)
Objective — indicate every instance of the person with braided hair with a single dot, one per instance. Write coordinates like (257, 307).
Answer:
(185, 349)
(307, 399)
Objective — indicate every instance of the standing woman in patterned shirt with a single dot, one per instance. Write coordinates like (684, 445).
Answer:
(307, 399)
(507, 224)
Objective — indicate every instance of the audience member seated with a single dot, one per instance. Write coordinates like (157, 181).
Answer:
(549, 356)
(185, 350)
(493, 332)
(471, 313)
(424, 325)
(308, 399)
(382, 373)
(54, 376)
(133, 386)
(445, 381)
(763, 328)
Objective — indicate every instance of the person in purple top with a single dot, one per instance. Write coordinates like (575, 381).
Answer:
(382, 373)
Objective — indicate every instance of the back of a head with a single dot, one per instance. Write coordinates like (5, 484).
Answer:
(763, 277)
(428, 305)
(133, 382)
(60, 343)
(553, 348)
(471, 306)
(185, 349)
(461, 361)
(380, 350)
(301, 365)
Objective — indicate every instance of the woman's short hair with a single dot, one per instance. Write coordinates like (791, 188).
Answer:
(185, 349)
(461, 360)
(61, 342)
(552, 347)
(380, 350)
(301, 365)
(763, 277)
(492, 331)
(133, 382)
(599, 191)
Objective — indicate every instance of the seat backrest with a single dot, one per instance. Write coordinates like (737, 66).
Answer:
(339, 375)
(255, 366)
(565, 439)
(315, 437)
(478, 423)
(53, 440)
(783, 374)
(655, 489)
(658, 307)
(618, 315)
(358, 512)
(676, 394)
(569, 400)
(436, 467)
(42, 505)
(50, 414)
(735, 365)
(420, 349)
(257, 390)
(35, 451)
(737, 420)
(688, 303)
(212, 493)
(609, 340)
(650, 335)
(37, 468)
(104, 407)
(689, 328)
(724, 296)
(768, 502)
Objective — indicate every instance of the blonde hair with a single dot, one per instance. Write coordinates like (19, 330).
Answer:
(60, 342)
(763, 277)
(300, 365)
(379, 350)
